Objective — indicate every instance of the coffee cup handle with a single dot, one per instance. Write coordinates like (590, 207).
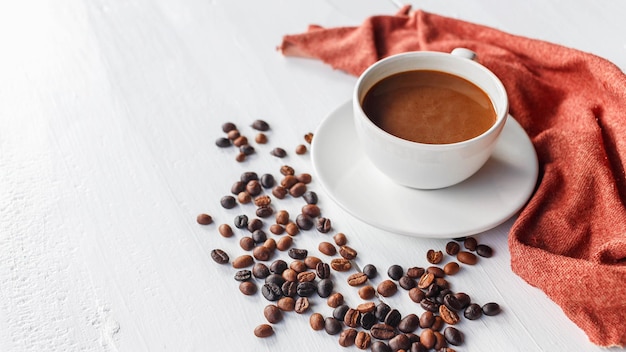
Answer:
(464, 52)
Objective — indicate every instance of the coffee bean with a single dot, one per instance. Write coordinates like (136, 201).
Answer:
(298, 265)
(440, 341)
(332, 326)
(247, 243)
(366, 307)
(379, 346)
(271, 291)
(228, 202)
(310, 197)
(468, 258)
(470, 243)
(312, 261)
(400, 342)
(452, 302)
(297, 190)
(290, 275)
(429, 305)
(241, 221)
(316, 320)
(415, 272)
(287, 170)
(473, 311)
(363, 340)
(254, 188)
(409, 323)
(278, 266)
(452, 248)
(448, 315)
(426, 280)
(264, 212)
(327, 248)
(260, 125)
(427, 319)
(434, 257)
(302, 305)
(416, 294)
(238, 187)
(267, 181)
(241, 157)
(347, 337)
(304, 222)
(491, 309)
(225, 230)
(367, 320)
(367, 292)
(427, 338)
(244, 197)
(289, 288)
(381, 311)
(304, 177)
(382, 331)
(357, 279)
(262, 200)
(280, 192)
(311, 210)
(260, 271)
(370, 270)
(219, 256)
(323, 225)
(261, 253)
(284, 243)
(204, 219)
(325, 287)
(436, 271)
(395, 272)
(453, 336)
(292, 229)
(272, 313)
(228, 126)
(306, 289)
(279, 152)
(322, 270)
(451, 268)
(387, 288)
(233, 134)
(260, 138)
(297, 253)
(306, 276)
(243, 275)
(301, 149)
(340, 311)
(335, 300)
(340, 264)
(352, 318)
(347, 252)
(248, 288)
(248, 176)
(263, 330)
(393, 317)
(406, 282)
(243, 261)
(222, 142)
(484, 250)
(240, 141)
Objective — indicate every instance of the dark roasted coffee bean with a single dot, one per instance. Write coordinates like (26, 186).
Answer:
(395, 272)
(332, 326)
(304, 222)
(442, 294)
(440, 341)
(393, 317)
(228, 202)
(263, 330)
(259, 236)
(271, 291)
(260, 125)
(452, 248)
(238, 187)
(325, 287)
(473, 311)
(219, 256)
(275, 279)
(228, 126)
(322, 270)
(306, 289)
(247, 149)
(491, 308)
(260, 271)
(484, 250)
(409, 323)
(290, 288)
(223, 142)
(267, 181)
(340, 312)
(352, 318)
(370, 270)
(323, 225)
(279, 152)
(415, 272)
(382, 331)
(310, 197)
(347, 337)
(463, 298)
(368, 320)
(381, 311)
(432, 291)
(243, 275)
(470, 243)
(419, 347)
(302, 305)
(241, 221)
(280, 192)
(379, 346)
(278, 266)
(264, 212)
(400, 342)
(452, 302)
(453, 336)
(406, 282)
(347, 252)
(429, 305)
(272, 313)
(249, 176)
(363, 340)
(255, 224)
(298, 253)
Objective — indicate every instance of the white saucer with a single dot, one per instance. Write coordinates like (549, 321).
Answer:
(485, 200)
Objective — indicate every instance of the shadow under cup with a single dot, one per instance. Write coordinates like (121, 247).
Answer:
(421, 165)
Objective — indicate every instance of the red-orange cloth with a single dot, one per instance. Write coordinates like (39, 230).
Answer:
(570, 239)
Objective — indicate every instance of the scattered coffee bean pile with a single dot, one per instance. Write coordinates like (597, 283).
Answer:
(289, 286)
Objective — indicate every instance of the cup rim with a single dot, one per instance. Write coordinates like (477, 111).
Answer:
(501, 116)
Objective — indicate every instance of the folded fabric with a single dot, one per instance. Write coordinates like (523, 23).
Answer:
(570, 239)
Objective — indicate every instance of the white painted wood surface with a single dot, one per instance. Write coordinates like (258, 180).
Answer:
(108, 116)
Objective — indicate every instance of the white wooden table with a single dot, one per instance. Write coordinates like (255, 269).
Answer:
(109, 112)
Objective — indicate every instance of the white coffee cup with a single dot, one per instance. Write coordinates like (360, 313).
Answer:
(420, 165)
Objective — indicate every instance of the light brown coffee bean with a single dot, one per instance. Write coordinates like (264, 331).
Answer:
(416, 294)
(434, 257)
(241, 157)
(327, 248)
(415, 272)
(311, 210)
(352, 318)
(248, 288)
(297, 190)
(304, 178)
(316, 320)
(451, 268)
(347, 337)
(282, 217)
(280, 192)
(366, 307)
(270, 244)
(204, 219)
(426, 320)
(427, 338)
(261, 253)
(262, 201)
(284, 243)
(302, 305)
(301, 149)
(243, 261)
(263, 330)
(357, 279)
(311, 262)
(308, 137)
(340, 264)
(448, 316)
(272, 313)
(335, 300)
(436, 271)
(437, 324)
(387, 288)
(261, 138)
(288, 181)
(292, 228)
(467, 258)
(254, 188)
(440, 342)
(277, 229)
(241, 140)
(347, 252)
(363, 340)
(306, 276)
(286, 304)
(244, 197)
(298, 266)
(426, 280)
(225, 230)
(287, 170)
(367, 292)
(290, 275)
(340, 239)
